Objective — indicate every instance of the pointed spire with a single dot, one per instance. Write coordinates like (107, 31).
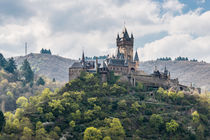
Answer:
(118, 37)
(125, 33)
(165, 71)
(118, 53)
(132, 35)
(83, 58)
(136, 58)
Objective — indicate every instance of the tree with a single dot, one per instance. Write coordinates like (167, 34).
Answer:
(41, 134)
(92, 133)
(22, 101)
(156, 121)
(40, 81)
(45, 51)
(11, 66)
(27, 134)
(2, 120)
(172, 126)
(72, 124)
(122, 104)
(56, 106)
(27, 73)
(135, 106)
(3, 61)
(107, 138)
(116, 130)
(196, 117)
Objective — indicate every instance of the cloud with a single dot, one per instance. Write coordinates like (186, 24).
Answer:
(66, 27)
(192, 23)
(177, 45)
(173, 6)
(201, 1)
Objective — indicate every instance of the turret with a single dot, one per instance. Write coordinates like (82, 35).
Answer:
(136, 59)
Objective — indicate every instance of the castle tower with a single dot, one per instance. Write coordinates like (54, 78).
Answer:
(125, 44)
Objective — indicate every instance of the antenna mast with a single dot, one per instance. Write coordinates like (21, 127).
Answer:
(26, 47)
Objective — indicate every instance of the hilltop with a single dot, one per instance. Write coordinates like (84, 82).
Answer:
(53, 66)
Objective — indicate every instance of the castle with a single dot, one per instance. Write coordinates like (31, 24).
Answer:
(126, 66)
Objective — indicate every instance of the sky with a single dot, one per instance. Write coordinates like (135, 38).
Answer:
(161, 28)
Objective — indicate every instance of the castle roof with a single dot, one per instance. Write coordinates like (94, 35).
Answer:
(76, 65)
(116, 62)
(125, 34)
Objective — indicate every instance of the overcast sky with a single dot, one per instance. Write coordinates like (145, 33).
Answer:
(161, 27)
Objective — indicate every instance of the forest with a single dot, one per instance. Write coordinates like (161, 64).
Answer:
(88, 109)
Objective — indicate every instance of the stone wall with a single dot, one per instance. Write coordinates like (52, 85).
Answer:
(74, 73)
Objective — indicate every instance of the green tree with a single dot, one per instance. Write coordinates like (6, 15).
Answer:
(11, 66)
(92, 133)
(40, 81)
(156, 121)
(172, 126)
(116, 130)
(135, 106)
(107, 138)
(2, 120)
(72, 124)
(41, 134)
(27, 73)
(22, 101)
(10, 94)
(3, 61)
(27, 134)
(122, 104)
(56, 106)
(196, 117)
(139, 86)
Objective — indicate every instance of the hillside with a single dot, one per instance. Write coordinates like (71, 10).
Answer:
(56, 67)
(87, 109)
(197, 73)
(51, 66)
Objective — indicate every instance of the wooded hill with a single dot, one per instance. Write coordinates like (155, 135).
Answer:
(87, 109)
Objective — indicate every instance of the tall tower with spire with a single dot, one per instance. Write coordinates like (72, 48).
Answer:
(125, 44)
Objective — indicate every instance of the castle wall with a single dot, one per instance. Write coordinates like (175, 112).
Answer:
(118, 69)
(74, 73)
(149, 80)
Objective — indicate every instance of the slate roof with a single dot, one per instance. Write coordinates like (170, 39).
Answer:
(77, 65)
(116, 62)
